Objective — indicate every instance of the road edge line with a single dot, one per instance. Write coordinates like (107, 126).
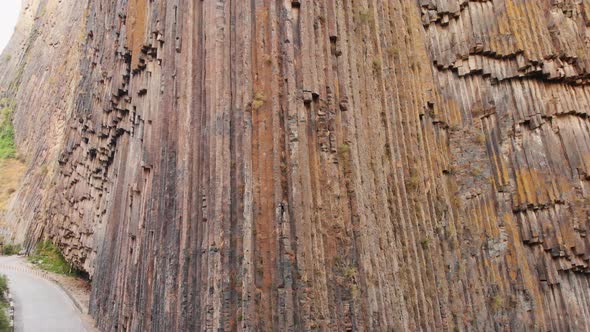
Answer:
(78, 305)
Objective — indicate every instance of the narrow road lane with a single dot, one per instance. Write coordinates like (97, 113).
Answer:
(40, 304)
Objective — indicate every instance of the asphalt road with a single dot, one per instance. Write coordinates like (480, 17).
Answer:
(40, 305)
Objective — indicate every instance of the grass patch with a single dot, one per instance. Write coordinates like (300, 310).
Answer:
(365, 17)
(413, 182)
(392, 51)
(343, 150)
(477, 171)
(3, 288)
(4, 304)
(349, 272)
(258, 101)
(497, 302)
(376, 66)
(7, 145)
(425, 243)
(48, 257)
(480, 138)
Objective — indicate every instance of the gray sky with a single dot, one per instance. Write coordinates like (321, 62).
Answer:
(9, 10)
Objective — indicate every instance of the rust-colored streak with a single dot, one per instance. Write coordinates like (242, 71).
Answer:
(263, 112)
(136, 20)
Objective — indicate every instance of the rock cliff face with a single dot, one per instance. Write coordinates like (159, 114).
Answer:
(310, 165)
(39, 71)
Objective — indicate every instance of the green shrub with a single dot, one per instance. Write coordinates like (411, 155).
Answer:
(11, 249)
(4, 320)
(425, 243)
(3, 288)
(48, 257)
(7, 145)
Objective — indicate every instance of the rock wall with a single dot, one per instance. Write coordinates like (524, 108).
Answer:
(319, 165)
(39, 72)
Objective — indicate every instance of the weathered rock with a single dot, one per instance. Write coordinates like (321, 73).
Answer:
(311, 165)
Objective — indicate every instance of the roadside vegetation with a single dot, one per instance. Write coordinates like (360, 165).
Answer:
(11, 249)
(7, 145)
(4, 304)
(11, 168)
(48, 257)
